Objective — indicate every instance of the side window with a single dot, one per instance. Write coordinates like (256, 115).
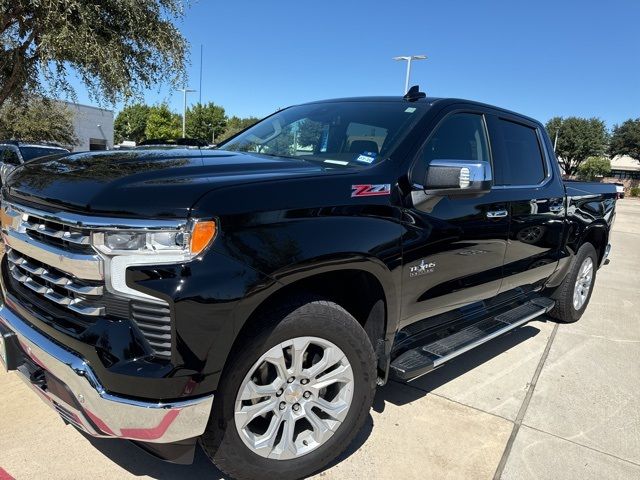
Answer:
(11, 157)
(524, 163)
(461, 136)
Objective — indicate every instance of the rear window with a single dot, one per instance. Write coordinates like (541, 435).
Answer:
(524, 163)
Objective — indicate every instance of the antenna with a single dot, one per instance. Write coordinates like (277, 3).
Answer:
(414, 94)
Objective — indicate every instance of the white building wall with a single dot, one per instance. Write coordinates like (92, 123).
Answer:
(93, 126)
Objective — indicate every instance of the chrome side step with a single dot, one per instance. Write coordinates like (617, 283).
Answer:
(422, 359)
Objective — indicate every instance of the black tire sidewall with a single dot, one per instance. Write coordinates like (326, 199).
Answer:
(314, 319)
(585, 251)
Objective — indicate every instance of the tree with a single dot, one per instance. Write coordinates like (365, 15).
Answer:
(309, 133)
(594, 167)
(205, 120)
(163, 124)
(578, 139)
(625, 139)
(38, 120)
(131, 123)
(117, 48)
(236, 124)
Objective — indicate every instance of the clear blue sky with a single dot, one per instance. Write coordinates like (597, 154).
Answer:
(541, 58)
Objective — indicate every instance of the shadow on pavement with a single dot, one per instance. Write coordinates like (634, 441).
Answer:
(464, 363)
(139, 463)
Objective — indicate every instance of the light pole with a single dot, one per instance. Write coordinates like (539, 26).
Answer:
(408, 59)
(184, 109)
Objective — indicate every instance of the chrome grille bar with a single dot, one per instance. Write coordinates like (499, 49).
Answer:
(36, 277)
(78, 265)
(68, 234)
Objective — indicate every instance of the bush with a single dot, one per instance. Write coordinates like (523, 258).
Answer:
(594, 167)
(634, 192)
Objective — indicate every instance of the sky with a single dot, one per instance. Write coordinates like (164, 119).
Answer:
(542, 58)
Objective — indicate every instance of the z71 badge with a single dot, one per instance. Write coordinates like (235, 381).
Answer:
(370, 190)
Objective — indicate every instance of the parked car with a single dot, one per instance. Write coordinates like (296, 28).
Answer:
(253, 297)
(14, 153)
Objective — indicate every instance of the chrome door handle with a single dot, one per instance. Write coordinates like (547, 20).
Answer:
(497, 214)
(555, 208)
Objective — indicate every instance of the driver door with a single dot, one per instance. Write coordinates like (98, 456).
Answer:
(455, 244)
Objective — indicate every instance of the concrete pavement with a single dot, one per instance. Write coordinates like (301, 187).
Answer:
(546, 401)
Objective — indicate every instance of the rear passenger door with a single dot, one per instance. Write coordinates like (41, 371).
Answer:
(535, 197)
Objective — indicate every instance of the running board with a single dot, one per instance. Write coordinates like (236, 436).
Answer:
(422, 359)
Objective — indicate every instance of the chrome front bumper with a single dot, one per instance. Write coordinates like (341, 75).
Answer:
(67, 383)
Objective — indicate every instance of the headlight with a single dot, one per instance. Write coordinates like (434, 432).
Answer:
(124, 248)
(152, 241)
(187, 242)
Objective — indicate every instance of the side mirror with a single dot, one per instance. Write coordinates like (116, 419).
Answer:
(458, 177)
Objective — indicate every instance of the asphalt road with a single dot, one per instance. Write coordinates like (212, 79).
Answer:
(546, 401)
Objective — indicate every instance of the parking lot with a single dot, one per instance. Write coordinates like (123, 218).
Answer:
(547, 401)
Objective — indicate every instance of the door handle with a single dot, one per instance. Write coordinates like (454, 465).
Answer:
(497, 214)
(557, 208)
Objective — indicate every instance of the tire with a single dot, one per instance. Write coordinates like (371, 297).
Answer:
(309, 318)
(565, 310)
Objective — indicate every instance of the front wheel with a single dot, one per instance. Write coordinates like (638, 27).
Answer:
(573, 294)
(294, 395)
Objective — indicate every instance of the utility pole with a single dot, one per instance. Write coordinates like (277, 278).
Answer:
(555, 141)
(184, 109)
(200, 91)
(409, 59)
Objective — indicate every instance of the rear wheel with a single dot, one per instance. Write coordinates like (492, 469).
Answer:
(573, 294)
(294, 396)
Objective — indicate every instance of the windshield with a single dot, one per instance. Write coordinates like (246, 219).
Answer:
(29, 153)
(339, 133)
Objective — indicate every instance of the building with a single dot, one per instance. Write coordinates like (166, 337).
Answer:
(624, 167)
(93, 127)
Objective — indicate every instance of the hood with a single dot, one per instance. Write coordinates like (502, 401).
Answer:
(146, 183)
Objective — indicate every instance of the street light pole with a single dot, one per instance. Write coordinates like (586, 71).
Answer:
(184, 109)
(409, 59)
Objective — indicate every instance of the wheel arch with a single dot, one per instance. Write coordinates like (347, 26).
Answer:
(365, 289)
(597, 234)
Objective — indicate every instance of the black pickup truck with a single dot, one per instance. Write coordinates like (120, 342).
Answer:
(253, 297)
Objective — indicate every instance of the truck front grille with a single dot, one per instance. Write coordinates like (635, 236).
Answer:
(81, 296)
(56, 233)
(55, 268)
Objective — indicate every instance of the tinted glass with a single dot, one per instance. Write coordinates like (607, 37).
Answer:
(334, 133)
(461, 136)
(11, 157)
(524, 161)
(29, 153)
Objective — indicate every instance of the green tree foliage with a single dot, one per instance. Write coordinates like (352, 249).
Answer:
(163, 124)
(205, 120)
(236, 124)
(309, 133)
(578, 139)
(131, 123)
(38, 120)
(625, 139)
(594, 167)
(117, 48)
